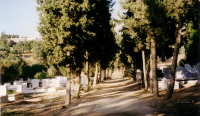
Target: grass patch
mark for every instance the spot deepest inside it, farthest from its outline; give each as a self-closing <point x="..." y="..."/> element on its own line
<point x="10" y="92"/>
<point x="6" y="111"/>
<point x="44" y="100"/>
<point x="59" y="98"/>
<point x="48" y="105"/>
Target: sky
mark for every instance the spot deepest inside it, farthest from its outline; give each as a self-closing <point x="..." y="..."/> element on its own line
<point x="19" y="17"/>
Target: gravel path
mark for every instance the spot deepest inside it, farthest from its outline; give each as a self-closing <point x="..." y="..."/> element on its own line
<point x="117" y="96"/>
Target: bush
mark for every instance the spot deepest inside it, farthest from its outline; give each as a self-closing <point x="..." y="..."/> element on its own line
<point x="182" y="62"/>
<point x="10" y="92"/>
<point x="6" y="111"/>
<point x="40" y="75"/>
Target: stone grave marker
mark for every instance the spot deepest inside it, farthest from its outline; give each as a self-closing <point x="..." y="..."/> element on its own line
<point x="165" y="84"/>
<point x="45" y="83"/>
<point x="55" y="82"/>
<point x="35" y="83"/>
<point x="187" y="67"/>
<point x="3" y="90"/>
<point x="24" y="85"/>
<point x="21" y="79"/>
<point x="179" y="74"/>
<point x="176" y="85"/>
<point x="63" y="80"/>
<point x="16" y="88"/>
<point x="7" y="84"/>
<point x="16" y="83"/>
<point x="166" y="72"/>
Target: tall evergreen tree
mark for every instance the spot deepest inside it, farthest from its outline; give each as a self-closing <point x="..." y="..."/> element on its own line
<point x="62" y="27"/>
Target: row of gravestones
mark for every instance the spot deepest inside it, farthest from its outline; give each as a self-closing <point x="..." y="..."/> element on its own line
<point x="40" y="85"/>
<point x="185" y="72"/>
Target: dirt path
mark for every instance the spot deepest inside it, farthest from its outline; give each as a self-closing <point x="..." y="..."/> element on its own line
<point x="116" y="97"/>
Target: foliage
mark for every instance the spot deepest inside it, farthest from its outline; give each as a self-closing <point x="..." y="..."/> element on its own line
<point x="11" y="68"/>
<point x="4" y="46"/>
<point x="10" y="92"/>
<point x="38" y="50"/>
<point x="52" y="70"/>
<point x="44" y="100"/>
<point x="191" y="45"/>
<point x="6" y="111"/>
<point x="182" y="62"/>
<point x="6" y="36"/>
<point x="40" y="75"/>
<point x="63" y="71"/>
<point x="30" y="71"/>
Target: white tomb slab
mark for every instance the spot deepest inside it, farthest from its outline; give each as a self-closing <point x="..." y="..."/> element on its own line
<point x="165" y="84"/>
<point x="16" y="83"/>
<point x="179" y="74"/>
<point x="7" y="84"/>
<point x="187" y="66"/>
<point x="16" y="88"/>
<point x="35" y="83"/>
<point x="176" y="85"/>
<point x="3" y="90"/>
<point x="63" y="80"/>
<point x="24" y="86"/>
<point x="45" y="83"/>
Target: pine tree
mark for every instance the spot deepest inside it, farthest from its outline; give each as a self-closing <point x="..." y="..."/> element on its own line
<point x="62" y="27"/>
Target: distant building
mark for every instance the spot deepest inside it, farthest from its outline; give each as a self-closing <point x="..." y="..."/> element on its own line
<point x="13" y="41"/>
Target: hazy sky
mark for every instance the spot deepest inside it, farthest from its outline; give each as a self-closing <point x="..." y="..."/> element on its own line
<point x="20" y="17"/>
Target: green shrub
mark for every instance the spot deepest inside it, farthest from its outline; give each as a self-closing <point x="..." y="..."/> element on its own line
<point x="40" y="75"/>
<point x="10" y="92"/>
<point x="182" y="62"/>
<point x="125" y="75"/>
<point x="6" y="111"/>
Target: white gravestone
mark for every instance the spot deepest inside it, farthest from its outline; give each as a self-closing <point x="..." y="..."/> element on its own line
<point x="166" y="72"/>
<point x="35" y="83"/>
<point x="45" y="83"/>
<point x="83" y="80"/>
<point x="179" y="74"/>
<point x="54" y="83"/>
<point x="7" y="84"/>
<point x="63" y="80"/>
<point x="187" y="66"/>
<point x="16" y="83"/>
<point x="165" y="83"/>
<point x="21" y="79"/>
<point x="176" y="85"/>
<point x="50" y="83"/>
<point x="24" y="85"/>
<point x="16" y="88"/>
<point x="3" y="90"/>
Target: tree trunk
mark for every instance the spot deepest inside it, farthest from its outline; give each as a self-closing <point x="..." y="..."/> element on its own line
<point x="135" y="71"/>
<point x="151" y="76"/>
<point x="142" y="77"/>
<point x="144" y="71"/>
<point x="148" y="73"/>
<point x="87" y="71"/>
<point x="96" y="75"/>
<point x="72" y="74"/>
<point x="173" y="67"/>
<point x="77" y="83"/>
<point x="107" y="71"/>
<point x="68" y="86"/>
<point x="104" y="74"/>
<point x="100" y="77"/>
<point x="154" y="68"/>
